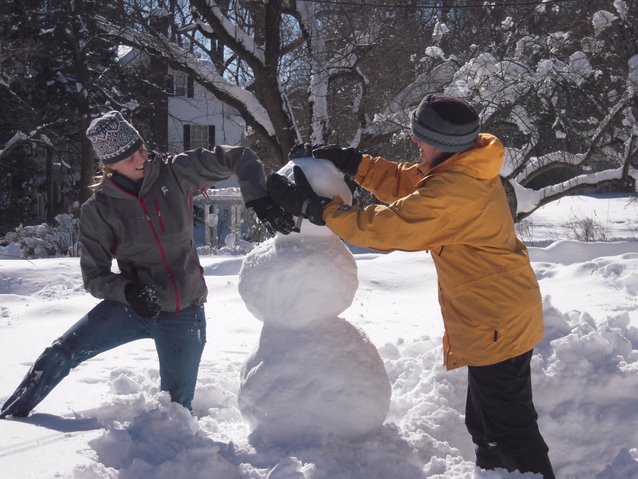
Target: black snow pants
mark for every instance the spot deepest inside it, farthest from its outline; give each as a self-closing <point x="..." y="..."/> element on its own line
<point x="500" y="416"/>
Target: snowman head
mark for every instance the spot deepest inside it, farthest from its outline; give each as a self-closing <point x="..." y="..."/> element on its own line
<point x="326" y="180"/>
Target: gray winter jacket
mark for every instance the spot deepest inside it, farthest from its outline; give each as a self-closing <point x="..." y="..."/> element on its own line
<point x="151" y="235"/>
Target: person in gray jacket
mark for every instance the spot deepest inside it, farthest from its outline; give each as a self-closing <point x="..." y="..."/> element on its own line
<point x="141" y="215"/>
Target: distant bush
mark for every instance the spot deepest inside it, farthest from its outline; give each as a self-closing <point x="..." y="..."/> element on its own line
<point x="525" y="231"/>
<point x="586" y="229"/>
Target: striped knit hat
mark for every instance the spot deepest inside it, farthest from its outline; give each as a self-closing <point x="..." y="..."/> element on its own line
<point x="113" y="138"/>
<point x="445" y="122"/>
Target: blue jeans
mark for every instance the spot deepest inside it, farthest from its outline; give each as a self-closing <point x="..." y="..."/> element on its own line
<point x="179" y="340"/>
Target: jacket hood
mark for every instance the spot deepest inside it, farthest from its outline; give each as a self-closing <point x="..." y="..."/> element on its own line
<point x="484" y="161"/>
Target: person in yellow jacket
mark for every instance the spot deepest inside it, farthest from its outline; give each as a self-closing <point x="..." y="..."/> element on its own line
<point x="453" y="205"/>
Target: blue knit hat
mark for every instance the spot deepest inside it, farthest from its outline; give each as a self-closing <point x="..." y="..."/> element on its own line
<point x="445" y="122"/>
<point x="113" y="138"/>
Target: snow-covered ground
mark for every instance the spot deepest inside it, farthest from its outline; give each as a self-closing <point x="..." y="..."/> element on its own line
<point x="108" y="419"/>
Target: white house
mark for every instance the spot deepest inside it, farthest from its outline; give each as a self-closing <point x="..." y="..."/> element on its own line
<point x="190" y="116"/>
<point x="196" y="118"/>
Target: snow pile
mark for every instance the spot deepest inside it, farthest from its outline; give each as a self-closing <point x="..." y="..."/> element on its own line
<point x="600" y="363"/>
<point x="602" y="20"/>
<point x="41" y="241"/>
<point x="164" y="442"/>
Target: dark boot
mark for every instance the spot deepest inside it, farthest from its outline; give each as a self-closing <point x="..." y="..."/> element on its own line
<point x="486" y="458"/>
<point x="13" y="407"/>
<point x="530" y="459"/>
<point x="534" y="459"/>
<point x="16" y="405"/>
<point x="48" y="370"/>
<point x="489" y="456"/>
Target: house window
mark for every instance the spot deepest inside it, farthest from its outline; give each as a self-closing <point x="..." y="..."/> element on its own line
<point x="198" y="136"/>
<point x="183" y="85"/>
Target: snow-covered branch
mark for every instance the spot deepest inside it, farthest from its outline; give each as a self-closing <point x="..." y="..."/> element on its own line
<point x="231" y="34"/>
<point x="17" y="139"/>
<point x="528" y="200"/>
<point x="396" y="116"/>
<point x="35" y="136"/>
<point x="236" y="96"/>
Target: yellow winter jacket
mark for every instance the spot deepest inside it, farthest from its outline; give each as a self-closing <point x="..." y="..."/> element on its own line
<point x="488" y="293"/>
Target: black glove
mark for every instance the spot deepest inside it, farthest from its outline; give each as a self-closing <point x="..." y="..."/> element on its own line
<point x="345" y="159"/>
<point x="143" y="299"/>
<point x="301" y="150"/>
<point x="272" y="215"/>
<point x="298" y="198"/>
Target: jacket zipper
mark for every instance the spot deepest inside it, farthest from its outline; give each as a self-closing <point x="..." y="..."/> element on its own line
<point x="159" y="244"/>
<point x="162" y="254"/>
<point x="159" y="216"/>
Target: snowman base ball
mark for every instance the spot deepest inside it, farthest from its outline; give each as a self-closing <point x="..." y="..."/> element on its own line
<point x="303" y="386"/>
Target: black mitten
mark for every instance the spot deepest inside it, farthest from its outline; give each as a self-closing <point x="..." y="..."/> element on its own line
<point x="298" y="198"/>
<point x="274" y="218"/>
<point x="345" y="159"/>
<point x="143" y="299"/>
<point x="300" y="150"/>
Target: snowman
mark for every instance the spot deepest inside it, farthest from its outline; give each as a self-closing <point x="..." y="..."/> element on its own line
<point x="313" y="375"/>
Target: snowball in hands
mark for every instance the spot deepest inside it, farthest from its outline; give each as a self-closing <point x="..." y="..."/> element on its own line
<point x="326" y="180"/>
<point x="313" y="374"/>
